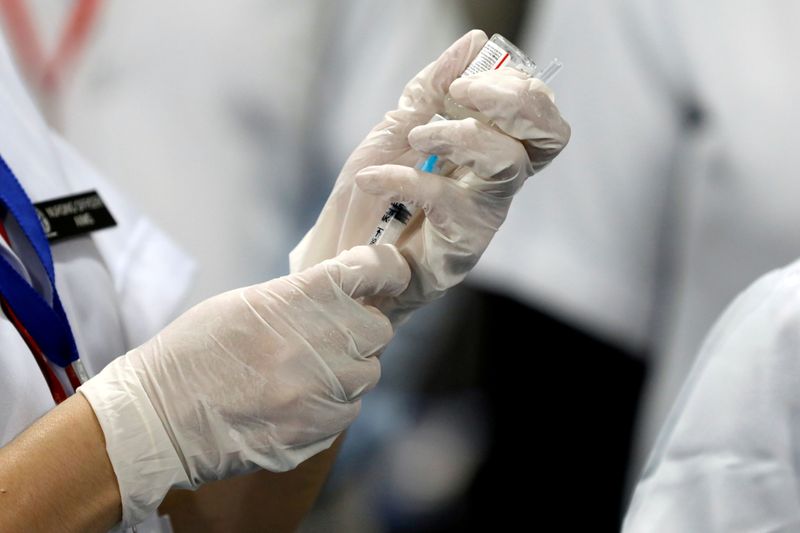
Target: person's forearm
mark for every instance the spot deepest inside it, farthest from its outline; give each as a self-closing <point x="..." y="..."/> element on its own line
<point x="262" y="501"/>
<point x="56" y="476"/>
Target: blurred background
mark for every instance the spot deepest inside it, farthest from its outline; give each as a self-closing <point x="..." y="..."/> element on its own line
<point x="535" y="391"/>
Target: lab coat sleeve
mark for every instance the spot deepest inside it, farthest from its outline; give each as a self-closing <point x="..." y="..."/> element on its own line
<point x="151" y="274"/>
<point x="727" y="458"/>
<point x="582" y="239"/>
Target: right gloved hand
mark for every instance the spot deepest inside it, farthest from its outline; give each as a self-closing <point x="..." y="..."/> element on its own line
<point x="264" y="376"/>
<point x="463" y="209"/>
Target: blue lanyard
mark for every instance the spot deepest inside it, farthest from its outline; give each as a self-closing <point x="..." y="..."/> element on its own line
<point x="47" y="325"/>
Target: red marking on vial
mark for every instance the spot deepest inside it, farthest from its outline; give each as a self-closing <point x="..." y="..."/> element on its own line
<point x="500" y="64"/>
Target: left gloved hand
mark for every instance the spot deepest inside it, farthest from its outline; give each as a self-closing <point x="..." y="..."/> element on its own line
<point x="462" y="210"/>
<point x="262" y="376"/>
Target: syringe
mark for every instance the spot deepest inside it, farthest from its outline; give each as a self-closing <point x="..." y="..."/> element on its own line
<point x="497" y="52"/>
<point x="394" y="221"/>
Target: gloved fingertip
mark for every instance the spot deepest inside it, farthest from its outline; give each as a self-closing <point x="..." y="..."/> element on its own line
<point x="372" y="170"/>
<point x="367" y="183"/>
<point x="416" y="134"/>
<point x="509" y="71"/>
<point x="472" y="41"/>
<point x="456" y="58"/>
<point x="458" y="89"/>
<point x="428" y="138"/>
<point x="365" y="271"/>
<point x="401" y="272"/>
<point x="479" y="35"/>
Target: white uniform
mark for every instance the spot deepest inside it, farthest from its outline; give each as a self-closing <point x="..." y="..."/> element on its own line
<point x="727" y="458"/>
<point x="118" y="286"/>
<point x="679" y="186"/>
<point x="196" y="110"/>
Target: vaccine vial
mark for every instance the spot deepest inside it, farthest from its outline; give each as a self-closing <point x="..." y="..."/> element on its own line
<point x="496" y="53"/>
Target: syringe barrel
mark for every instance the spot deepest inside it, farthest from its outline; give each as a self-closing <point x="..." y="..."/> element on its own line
<point x="392" y="224"/>
<point x="395" y="219"/>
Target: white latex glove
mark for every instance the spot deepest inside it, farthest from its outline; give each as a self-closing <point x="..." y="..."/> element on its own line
<point x="263" y="376"/>
<point x="727" y="457"/>
<point x="460" y="217"/>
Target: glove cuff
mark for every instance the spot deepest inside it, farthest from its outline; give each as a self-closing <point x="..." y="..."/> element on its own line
<point x="144" y="460"/>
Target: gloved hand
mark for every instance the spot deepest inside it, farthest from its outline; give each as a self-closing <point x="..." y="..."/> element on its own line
<point x="460" y="216"/>
<point x="263" y="376"/>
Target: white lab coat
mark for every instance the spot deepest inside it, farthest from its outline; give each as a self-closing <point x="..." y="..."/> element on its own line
<point x="118" y="286"/>
<point x="680" y="183"/>
<point x="727" y="458"/>
<point x="197" y="110"/>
